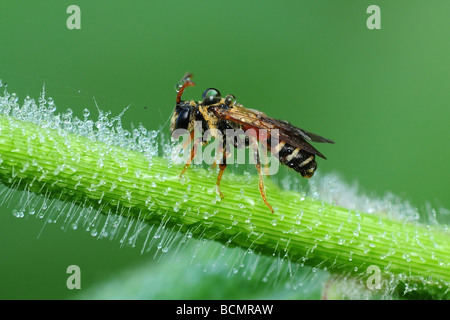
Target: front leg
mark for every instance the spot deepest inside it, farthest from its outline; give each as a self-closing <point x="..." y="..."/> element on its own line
<point x="193" y="153"/>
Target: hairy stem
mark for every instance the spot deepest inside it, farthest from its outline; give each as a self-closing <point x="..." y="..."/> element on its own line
<point x="302" y="230"/>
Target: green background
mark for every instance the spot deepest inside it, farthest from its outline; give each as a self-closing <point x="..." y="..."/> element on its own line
<point x="382" y="95"/>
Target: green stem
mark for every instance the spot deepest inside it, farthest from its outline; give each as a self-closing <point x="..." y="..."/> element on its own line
<point x="303" y="230"/>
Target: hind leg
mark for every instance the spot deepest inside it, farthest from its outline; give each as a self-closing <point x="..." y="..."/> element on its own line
<point x="222" y="167"/>
<point x="261" y="180"/>
<point x="261" y="186"/>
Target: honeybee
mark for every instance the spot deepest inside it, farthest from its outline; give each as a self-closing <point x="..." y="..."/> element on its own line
<point x="215" y="112"/>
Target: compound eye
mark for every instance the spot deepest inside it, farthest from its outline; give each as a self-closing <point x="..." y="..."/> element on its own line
<point x="182" y="121"/>
<point x="211" y="96"/>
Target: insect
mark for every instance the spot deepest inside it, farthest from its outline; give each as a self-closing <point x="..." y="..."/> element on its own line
<point x="215" y="112"/>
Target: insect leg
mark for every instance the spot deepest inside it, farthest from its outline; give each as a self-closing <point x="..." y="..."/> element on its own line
<point x="265" y="157"/>
<point x="222" y="167"/>
<point x="214" y="164"/>
<point x="261" y="180"/>
<point x="189" y="141"/>
<point x="193" y="154"/>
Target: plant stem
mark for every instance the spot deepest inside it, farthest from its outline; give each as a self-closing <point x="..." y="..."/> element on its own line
<point x="302" y="230"/>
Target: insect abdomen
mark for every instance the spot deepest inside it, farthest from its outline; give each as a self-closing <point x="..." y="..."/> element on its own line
<point x="298" y="159"/>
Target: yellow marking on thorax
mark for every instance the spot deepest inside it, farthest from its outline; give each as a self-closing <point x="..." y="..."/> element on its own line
<point x="211" y="120"/>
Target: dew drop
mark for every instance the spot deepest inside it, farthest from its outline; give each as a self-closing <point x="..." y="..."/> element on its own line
<point x="18" y="213"/>
<point x="179" y="85"/>
<point x="406" y="257"/>
<point x="230" y="100"/>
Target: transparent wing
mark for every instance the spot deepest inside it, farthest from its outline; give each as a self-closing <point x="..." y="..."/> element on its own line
<point x="249" y="118"/>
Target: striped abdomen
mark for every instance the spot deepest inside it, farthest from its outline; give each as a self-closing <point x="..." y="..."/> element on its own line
<point x="296" y="158"/>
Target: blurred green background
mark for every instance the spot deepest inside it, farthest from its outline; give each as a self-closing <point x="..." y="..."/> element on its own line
<point x="382" y="95"/>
